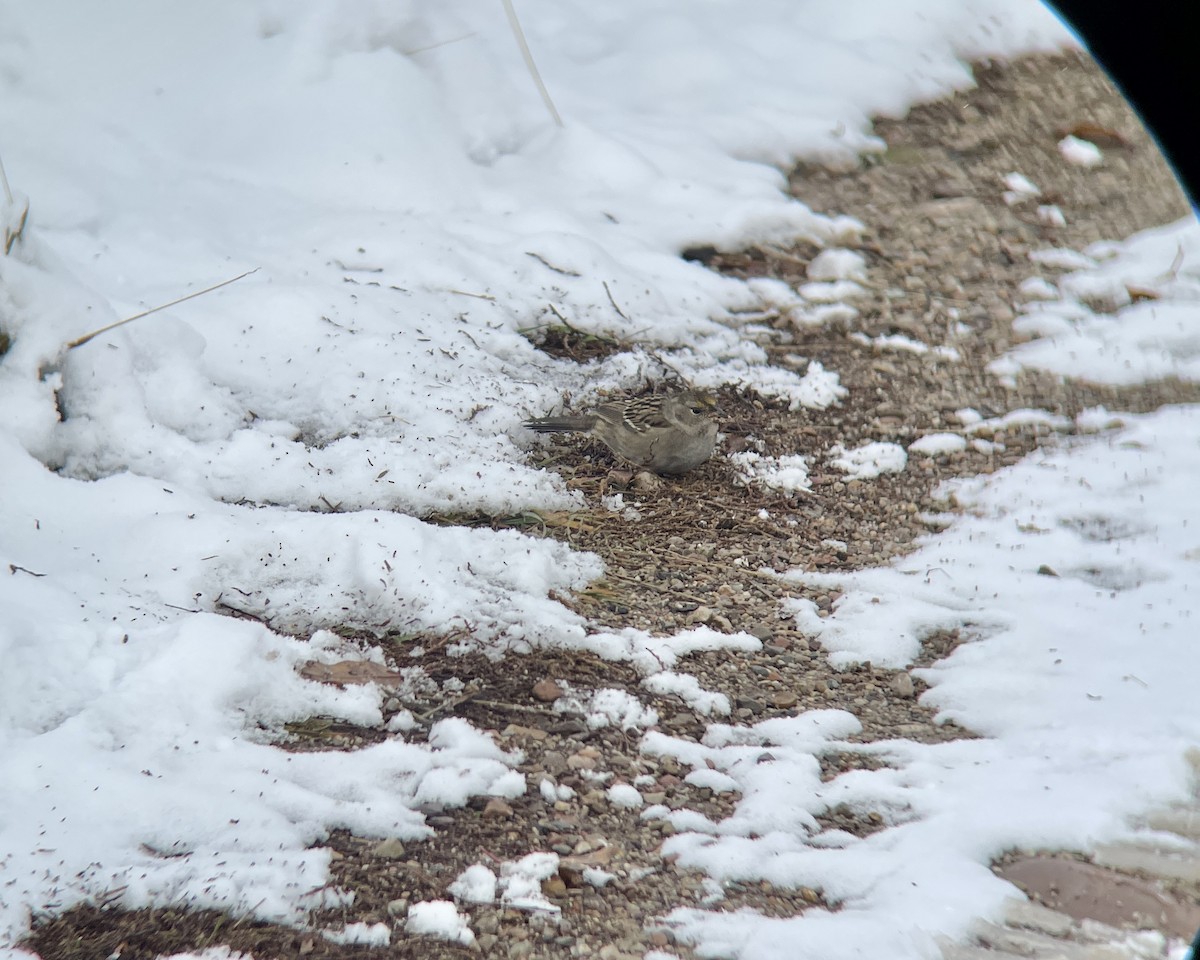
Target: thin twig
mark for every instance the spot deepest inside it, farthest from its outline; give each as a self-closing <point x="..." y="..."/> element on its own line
<point x="613" y="301"/>
<point x="548" y="265"/>
<point x="515" y="707"/>
<point x="533" y="70"/>
<point x="468" y="293"/>
<point x="440" y="43"/>
<point x="4" y="180"/>
<point x="12" y="236"/>
<point x="79" y="342"/>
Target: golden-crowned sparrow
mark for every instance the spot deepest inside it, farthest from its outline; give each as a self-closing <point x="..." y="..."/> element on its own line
<point x="666" y="434"/>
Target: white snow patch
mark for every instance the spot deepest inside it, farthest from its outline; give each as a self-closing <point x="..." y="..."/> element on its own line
<point x="476" y="884"/>
<point x="521" y="882"/>
<point x="838" y="264"/>
<point x="1037" y="288"/>
<point x="440" y="919"/>
<point x="1130" y="318"/>
<point x="788" y="473"/>
<point x="361" y="934"/>
<point x="1061" y="258"/>
<point x="937" y="445"/>
<point x="1082" y="153"/>
<point x="683" y="685"/>
<point x="1018" y="188"/>
<point x="836" y="291"/>
<point x="608" y="707"/>
<point x="624" y="795"/>
<point x="1050" y="215"/>
<point x="869" y="460"/>
<point x="900" y="342"/>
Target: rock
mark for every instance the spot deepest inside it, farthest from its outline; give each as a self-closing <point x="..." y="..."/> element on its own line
<point x="902" y="685"/>
<point x="646" y="482"/>
<point x="547" y="690"/>
<point x="554" y="886"/>
<point x="497" y="808"/>
<point x="389" y="849"/>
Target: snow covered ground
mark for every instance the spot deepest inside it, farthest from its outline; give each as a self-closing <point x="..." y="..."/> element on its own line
<point x="271" y="447"/>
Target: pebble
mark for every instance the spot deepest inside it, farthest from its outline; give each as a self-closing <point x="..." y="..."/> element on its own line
<point x="902" y="685"/>
<point x="389" y="849"/>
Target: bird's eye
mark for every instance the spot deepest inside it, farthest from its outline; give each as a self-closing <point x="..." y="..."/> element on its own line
<point x="697" y="409"/>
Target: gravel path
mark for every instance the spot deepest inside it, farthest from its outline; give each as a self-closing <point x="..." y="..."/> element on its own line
<point x="945" y="255"/>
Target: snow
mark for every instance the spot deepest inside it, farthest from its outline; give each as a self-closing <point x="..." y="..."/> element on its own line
<point x="1051" y="215"/>
<point x="1124" y="319"/>
<point x="281" y="447"/>
<point x="702" y="702"/>
<point x="1074" y="678"/>
<point x="362" y="934"/>
<point x="521" y="882"/>
<point x="869" y="460"/>
<point x="788" y="473"/>
<point x="1082" y="153"/>
<point x="899" y="342"/>
<point x="937" y="444"/>
<point x="437" y="918"/>
<point x="624" y="795"/>
<point x="838" y="264"/>
<point x="476" y="884"/>
<point x="1019" y="188"/>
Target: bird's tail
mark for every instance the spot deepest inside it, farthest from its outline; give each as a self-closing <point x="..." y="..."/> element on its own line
<point x="561" y="424"/>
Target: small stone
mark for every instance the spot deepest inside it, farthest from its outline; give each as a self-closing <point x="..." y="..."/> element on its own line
<point x="397" y="908"/>
<point x="902" y="685"/>
<point x="497" y="808"/>
<point x="646" y="482"/>
<point x="784" y="701"/>
<point x="554" y="762"/>
<point x="700" y="615"/>
<point x="554" y="886"/>
<point x="761" y="631"/>
<point x="578" y="761"/>
<point x="487" y="923"/>
<point x="547" y="690"/>
<point x="389" y="849"/>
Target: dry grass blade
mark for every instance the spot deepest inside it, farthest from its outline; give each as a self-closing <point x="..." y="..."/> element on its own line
<point x="8" y="194"/>
<point x="80" y="341"/>
<point x="12" y="233"/>
<point x="513" y="22"/>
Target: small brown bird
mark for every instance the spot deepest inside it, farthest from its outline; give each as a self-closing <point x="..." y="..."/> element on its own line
<point x="666" y="434"/>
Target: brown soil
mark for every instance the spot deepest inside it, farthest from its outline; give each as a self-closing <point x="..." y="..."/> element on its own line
<point x="941" y="245"/>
